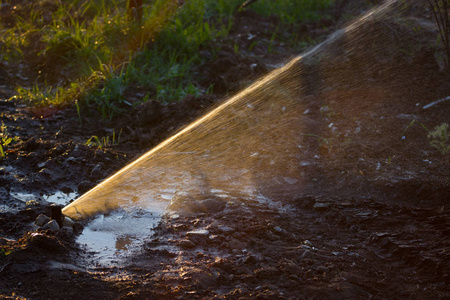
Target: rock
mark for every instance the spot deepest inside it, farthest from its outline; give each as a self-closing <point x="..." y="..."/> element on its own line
<point x="41" y="220"/>
<point x="321" y="206"/>
<point x="187" y="244"/>
<point x="52" y="225"/>
<point x="67" y="222"/>
<point x="225" y="229"/>
<point x="198" y="236"/>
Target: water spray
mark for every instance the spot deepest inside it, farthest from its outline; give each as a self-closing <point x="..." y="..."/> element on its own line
<point x="251" y="144"/>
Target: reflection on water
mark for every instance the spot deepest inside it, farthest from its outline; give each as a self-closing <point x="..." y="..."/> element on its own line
<point x="57" y="197"/>
<point x="112" y="237"/>
<point x="60" y="197"/>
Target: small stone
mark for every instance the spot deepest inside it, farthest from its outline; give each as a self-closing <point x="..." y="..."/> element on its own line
<point x="225" y="229"/>
<point x="321" y="206"/>
<point x="279" y="229"/>
<point x="41" y="165"/>
<point x="198" y="232"/>
<point x="41" y="220"/>
<point x="52" y="225"/>
<point x="186" y="244"/>
<point x="198" y="236"/>
<point x="67" y="222"/>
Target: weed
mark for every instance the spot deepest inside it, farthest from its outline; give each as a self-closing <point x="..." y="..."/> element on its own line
<point x="105" y="141"/>
<point x="5" y="140"/>
<point x="411" y="124"/>
<point x="78" y="112"/>
<point x="439" y="137"/>
<point x="252" y="45"/>
<point x="4" y="252"/>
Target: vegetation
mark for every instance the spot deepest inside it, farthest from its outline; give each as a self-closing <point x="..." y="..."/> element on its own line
<point x="5" y="140"/>
<point x="439" y="138"/>
<point x="440" y="9"/>
<point x="105" y="141"/>
<point x="92" y="52"/>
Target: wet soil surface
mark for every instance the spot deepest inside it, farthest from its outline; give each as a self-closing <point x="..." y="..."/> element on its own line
<point x="371" y="219"/>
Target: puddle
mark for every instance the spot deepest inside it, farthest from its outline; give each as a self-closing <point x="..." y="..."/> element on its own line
<point x="57" y="197"/>
<point x="60" y="198"/>
<point x="109" y="239"/>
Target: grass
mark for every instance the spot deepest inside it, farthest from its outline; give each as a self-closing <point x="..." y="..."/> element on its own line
<point x="439" y="138"/>
<point x="5" y="140"/>
<point x="92" y="52"/>
<point x="106" y="141"/>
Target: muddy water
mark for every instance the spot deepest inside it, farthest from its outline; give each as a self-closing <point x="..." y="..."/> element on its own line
<point x="108" y="239"/>
<point x="57" y="197"/>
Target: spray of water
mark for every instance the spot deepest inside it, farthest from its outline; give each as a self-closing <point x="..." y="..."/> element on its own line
<point x="251" y="145"/>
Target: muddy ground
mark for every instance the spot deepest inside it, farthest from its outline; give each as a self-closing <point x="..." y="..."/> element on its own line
<point x="371" y="219"/>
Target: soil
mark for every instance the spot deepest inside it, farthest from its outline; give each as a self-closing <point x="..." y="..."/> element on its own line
<point x="372" y="219"/>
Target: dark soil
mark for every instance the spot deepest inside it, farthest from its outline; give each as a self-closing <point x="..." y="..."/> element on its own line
<point x="371" y="221"/>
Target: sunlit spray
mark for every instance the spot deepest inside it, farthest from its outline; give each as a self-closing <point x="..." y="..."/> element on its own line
<point x="250" y="145"/>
